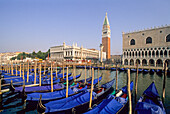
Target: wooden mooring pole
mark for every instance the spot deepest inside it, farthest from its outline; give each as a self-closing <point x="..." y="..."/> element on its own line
<point x="45" y="67"/>
<point x="164" y="82"/>
<point x="98" y="77"/>
<point x="40" y="75"/>
<point x="16" y="69"/>
<point x="27" y="71"/>
<point x="12" y="70"/>
<point x="75" y="73"/>
<point x="85" y="74"/>
<point x="90" y="103"/>
<point x="129" y="93"/>
<point x="20" y="69"/>
<point x="23" y="72"/>
<point x="56" y="71"/>
<point x="116" y="78"/>
<point x="0" y="84"/>
<point x="63" y="70"/>
<point x="35" y="72"/>
<point x="51" y="76"/>
<point x="136" y="83"/>
<point x="67" y="83"/>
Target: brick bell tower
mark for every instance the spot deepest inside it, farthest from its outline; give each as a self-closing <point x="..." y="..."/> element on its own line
<point x="106" y="37"/>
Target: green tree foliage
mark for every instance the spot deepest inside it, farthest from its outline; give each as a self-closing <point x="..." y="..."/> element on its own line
<point x="39" y="54"/>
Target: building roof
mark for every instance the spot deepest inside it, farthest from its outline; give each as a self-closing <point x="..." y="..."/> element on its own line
<point x="106" y="22"/>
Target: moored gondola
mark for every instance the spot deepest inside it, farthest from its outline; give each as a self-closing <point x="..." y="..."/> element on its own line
<point x="114" y="103"/>
<point x="77" y="103"/>
<point x="149" y="102"/>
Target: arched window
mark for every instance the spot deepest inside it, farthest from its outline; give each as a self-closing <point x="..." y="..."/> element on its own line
<point x="126" y="62"/>
<point x="139" y="53"/>
<point x="144" y="62"/>
<point x="132" y="42"/>
<point x="168" y="38"/>
<point x="142" y="53"/>
<point x="151" y="62"/>
<point x="133" y="54"/>
<point x="157" y="53"/>
<point x="149" y="53"/>
<point x="137" y="61"/>
<point x="124" y="54"/>
<point x="165" y="53"/>
<point x="148" y="40"/>
<point x="131" y="62"/>
<point x="153" y="53"/>
<point x="146" y="53"/>
<point x="161" y="53"/>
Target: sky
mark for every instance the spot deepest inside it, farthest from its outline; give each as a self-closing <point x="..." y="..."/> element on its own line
<point x="33" y="25"/>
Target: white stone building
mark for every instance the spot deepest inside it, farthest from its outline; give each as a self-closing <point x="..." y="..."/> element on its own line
<point x="5" y="57"/>
<point x="65" y="52"/>
<point x="149" y="47"/>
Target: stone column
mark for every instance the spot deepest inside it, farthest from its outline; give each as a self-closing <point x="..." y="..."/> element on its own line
<point x="155" y="62"/>
<point x="101" y="53"/>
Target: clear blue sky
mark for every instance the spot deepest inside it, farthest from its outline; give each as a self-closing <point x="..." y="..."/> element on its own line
<point x="27" y="25"/>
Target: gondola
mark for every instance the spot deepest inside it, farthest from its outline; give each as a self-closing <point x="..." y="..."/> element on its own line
<point x="102" y="68"/>
<point x="113" y="69"/>
<point x="145" y="71"/>
<point x="60" y="94"/>
<point x="152" y="71"/>
<point x="140" y="70"/>
<point x="133" y="70"/>
<point x="150" y="102"/>
<point x="95" y="81"/>
<point x="45" y="88"/>
<point x="77" y="103"/>
<point x="46" y="97"/>
<point x="113" y="104"/>
<point x="121" y="69"/>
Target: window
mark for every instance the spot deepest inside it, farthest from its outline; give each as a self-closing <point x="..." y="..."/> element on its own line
<point x="148" y="40"/>
<point x="104" y="32"/>
<point x="132" y="42"/>
<point x="160" y="31"/>
<point x="168" y="38"/>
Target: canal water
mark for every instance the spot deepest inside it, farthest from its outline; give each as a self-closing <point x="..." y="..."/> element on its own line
<point x="144" y="80"/>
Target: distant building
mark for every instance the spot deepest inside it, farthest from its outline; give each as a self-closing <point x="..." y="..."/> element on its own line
<point x="106" y="37"/>
<point x="149" y="47"/>
<point x="116" y="59"/>
<point x="5" y="57"/>
<point x="65" y="52"/>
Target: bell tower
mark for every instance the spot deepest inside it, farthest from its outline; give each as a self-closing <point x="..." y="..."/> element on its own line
<point x="106" y="37"/>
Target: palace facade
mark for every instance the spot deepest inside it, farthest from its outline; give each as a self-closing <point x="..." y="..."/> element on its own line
<point x="149" y="47"/>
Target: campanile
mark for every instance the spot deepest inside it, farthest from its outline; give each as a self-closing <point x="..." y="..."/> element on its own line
<point x="106" y="37"/>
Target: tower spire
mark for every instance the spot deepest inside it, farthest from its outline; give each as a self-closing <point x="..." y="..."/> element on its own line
<point x="106" y="22"/>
